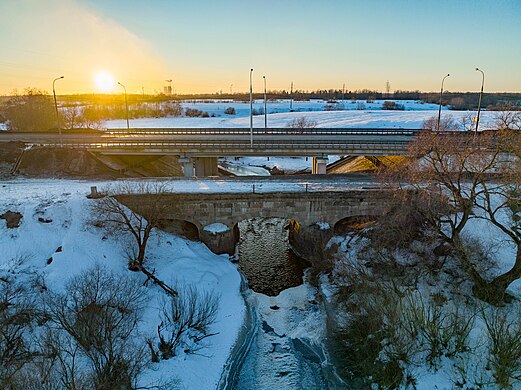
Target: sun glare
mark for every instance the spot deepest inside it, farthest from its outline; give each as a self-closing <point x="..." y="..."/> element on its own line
<point x="104" y="81"/>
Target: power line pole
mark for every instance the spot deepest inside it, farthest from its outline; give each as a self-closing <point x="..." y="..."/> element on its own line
<point x="251" y="108"/>
<point x="265" y="105"/>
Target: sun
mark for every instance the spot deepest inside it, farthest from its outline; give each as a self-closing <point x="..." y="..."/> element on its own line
<point x="104" y="81"/>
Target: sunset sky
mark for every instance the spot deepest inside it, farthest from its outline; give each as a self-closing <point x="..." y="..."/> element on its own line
<point x="207" y="45"/>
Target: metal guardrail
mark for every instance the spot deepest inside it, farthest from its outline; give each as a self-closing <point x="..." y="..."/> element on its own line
<point x="268" y="145"/>
<point x="261" y="131"/>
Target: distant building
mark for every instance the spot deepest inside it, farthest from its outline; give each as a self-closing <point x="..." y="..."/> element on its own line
<point x="167" y="89"/>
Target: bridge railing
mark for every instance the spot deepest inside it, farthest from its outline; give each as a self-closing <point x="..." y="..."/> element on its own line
<point x="261" y="131"/>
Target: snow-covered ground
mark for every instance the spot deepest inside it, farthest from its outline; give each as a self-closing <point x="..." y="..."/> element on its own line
<point x="279" y="115"/>
<point x="174" y="260"/>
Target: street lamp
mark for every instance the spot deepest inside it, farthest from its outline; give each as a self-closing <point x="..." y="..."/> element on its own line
<point x="439" y="110"/>
<point x="126" y="104"/>
<point x="265" y="105"/>
<point x="480" y="96"/>
<point x="251" y="108"/>
<point x="56" y="108"/>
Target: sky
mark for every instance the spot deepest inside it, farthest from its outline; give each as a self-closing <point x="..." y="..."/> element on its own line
<point x="210" y="45"/>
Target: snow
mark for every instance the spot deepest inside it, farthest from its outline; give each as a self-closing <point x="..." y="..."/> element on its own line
<point x="323" y="225"/>
<point x="174" y="259"/>
<point x="279" y="115"/>
<point x="3" y="126"/>
<point x="216" y="228"/>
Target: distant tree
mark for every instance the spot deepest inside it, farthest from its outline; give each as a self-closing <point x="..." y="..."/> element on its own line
<point x="458" y="103"/>
<point x="447" y="123"/>
<point x="302" y="123"/>
<point x="230" y="111"/>
<point x="32" y="111"/>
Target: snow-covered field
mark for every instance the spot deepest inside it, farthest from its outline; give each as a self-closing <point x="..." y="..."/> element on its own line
<point x="174" y="260"/>
<point x="279" y="115"/>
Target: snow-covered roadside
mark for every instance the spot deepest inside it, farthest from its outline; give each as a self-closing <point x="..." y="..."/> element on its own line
<point x="63" y="207"/>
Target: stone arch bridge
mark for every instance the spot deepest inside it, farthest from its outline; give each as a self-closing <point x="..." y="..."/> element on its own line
<point x="312" y="214"/>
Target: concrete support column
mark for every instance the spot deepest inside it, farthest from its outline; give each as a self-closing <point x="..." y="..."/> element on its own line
<point x="319" y="165"/>
<point x="206" y="166"/>
<point x="188" y="166"/>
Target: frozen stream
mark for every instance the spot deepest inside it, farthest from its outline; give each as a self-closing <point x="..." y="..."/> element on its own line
<point x="281" y="344"/>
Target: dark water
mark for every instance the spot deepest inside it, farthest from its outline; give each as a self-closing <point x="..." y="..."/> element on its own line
<point x="265" y="256"/>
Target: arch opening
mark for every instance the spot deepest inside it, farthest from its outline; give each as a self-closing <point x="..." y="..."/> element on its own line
<point x="181" y="228"/>
<point x="353" y="223"/>
<point x="265" y="255"/>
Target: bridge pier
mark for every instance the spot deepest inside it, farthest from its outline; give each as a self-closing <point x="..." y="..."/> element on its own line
<point x="220" y="241"/>
<point x="319" y="165"/>
<point x="206" y="166"/>
<point x="188" y="166"/>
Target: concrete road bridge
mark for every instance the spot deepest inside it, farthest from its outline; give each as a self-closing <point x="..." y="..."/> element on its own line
<point x="199" y="148"/>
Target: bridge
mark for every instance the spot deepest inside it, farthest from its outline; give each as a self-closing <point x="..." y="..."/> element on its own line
<point x="314" y="215"/>
<point x="198" y="149"/>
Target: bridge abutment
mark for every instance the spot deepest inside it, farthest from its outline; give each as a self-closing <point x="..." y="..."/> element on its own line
<point x="206" y="166"/>
<point x="220" y="241"/>
<point x="309" y="242"/>
<point x="319" y="165"/>
<point x="188" y="166"/>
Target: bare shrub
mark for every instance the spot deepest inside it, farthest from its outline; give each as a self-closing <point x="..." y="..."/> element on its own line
<point x="442" y="330"/>
<point x="92" y="330"/>
<point x="17" y="319"/>
<point x="504" y="334"/>
<point x="230" y="111"/>
<point x="302" y="123"/>
<point x="185" y="321"/>
<point x="370" y="345"/>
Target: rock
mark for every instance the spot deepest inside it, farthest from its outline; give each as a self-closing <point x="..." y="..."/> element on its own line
<point x="12" y="218"/>
<point x="44" y="220"/>
<point x="49" y="260"/>
<point x="59" y="249"/>
<point x="274" y="307"/>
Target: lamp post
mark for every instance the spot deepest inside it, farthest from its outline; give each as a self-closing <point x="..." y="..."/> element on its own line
<point x="265" y="105"/>
<point x="480" y="96"/>
<point x="56" y="108"/>
<point x="126" y="104"/>
<point x="231" y="89"/>
<point x="439" y="110"/>
<point x="251" y="108"/>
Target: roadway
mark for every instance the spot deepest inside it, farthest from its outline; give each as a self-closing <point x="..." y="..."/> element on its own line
<point x="228" y="141"/>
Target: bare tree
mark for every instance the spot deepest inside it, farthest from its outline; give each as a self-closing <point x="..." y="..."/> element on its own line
<point x="138" y="220"/>
<point x="455" y="175"/>
<point x="133" y="210"/>
<point x="507" y="118"/>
